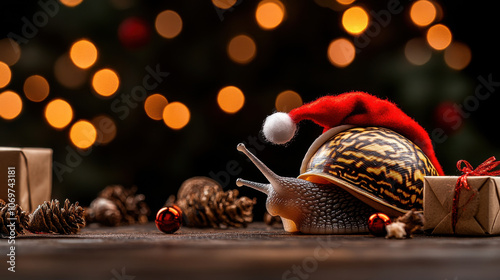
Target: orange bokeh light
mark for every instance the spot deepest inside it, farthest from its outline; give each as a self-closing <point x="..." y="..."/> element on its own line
<point x="288" y="100"/>
<point x="68" y="74"/>
<point x="417" y="51"/>
<point x="355" y="20"/>
<point x="423" y="12"/>
<point x="83" y="53"/>
<point x="36" y="88"/>
<point x="341" y="52"/>
<point x="345" y="2"/>
<point x="230" y="99"/>
<point x="168" y="24"/>
<point x="439" y="37"/>
<point x="224" y="4"/>
<point x="154" y="106"/>
<point x="11" y="105"/>
<point x="10" y="52"/>
<point x="457" y="56"/>
<point x="5" y="74"/>
<point x="176" y="115"/>
<point x="242" y="49"/>
<point x="83" y="134"/>
<point x="270" y="14"/>
<point x="71" y="3"/>
<point x="58" y="113"/>
<point x="105" y="82"/>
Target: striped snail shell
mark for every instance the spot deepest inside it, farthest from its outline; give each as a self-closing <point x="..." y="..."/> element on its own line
<point x="347" y="174"/>
<point x="377" y="165"/>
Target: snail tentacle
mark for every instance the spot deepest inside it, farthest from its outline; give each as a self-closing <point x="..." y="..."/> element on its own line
<point x="265" y="188"/>
<point x="268" y="173"/>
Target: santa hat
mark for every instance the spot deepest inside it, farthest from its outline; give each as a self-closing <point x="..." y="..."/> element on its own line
<point x="355" y="108"/>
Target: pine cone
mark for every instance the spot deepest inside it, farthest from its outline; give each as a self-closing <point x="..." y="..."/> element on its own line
<point x="17" y="225"/>
<point x="208" y="206"/>
<point x="116" y="205"/>
<point x="49" y="218"/>
<point x="103" y="211"/>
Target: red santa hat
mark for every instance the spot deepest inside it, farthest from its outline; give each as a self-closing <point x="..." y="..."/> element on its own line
<point x="355" y="108"/>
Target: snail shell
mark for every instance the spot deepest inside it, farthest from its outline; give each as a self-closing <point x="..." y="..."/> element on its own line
<point x="377" y="165"/>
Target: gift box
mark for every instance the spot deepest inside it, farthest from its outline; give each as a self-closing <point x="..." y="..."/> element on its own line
<point x="25" y="176"/>
<point x="477" y="207"/>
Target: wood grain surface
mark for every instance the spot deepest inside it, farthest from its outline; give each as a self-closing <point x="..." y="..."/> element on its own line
<point x="256" y="252"/>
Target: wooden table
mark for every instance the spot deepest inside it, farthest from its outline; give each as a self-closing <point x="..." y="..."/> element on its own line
<point x="256" y="252"/>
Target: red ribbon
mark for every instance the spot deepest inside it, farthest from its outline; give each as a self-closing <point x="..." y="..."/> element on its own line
<point x="484" y="169"/>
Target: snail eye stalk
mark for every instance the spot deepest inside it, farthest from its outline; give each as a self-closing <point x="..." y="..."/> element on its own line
<point x="265" y="188"/>
<point x="268" y="173"/>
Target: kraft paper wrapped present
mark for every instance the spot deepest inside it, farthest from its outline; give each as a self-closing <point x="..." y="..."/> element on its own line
<point x="477" y="210"/>
<point x="25" y="176"/>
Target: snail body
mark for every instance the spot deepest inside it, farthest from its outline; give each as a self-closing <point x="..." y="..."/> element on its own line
<point x="347" y="174"/>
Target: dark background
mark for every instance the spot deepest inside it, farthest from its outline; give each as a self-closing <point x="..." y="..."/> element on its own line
<point x="157" y="159"/>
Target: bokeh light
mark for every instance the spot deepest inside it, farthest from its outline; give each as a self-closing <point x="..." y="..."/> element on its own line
<point x="83" y="134"/>
<point x="58" y="113"/>
<point x="36" y="88"/>
<point x="417" y="51"/>
<point x="288" y="100"/>
<point x="67" y="74"/>
<point x="241" y="49"/>
<point x="345" y="2"/>
<point x="154" y="106"/>
<point x="423" y="13"/>
<point x="457" y="56"/>
<point x="176" y="115"/>
<point x="105" y="128"/>
<point x="224" y="4"/>
<point x="270" y="14"/>
<point x="230" y="99"/>
<point x="11" y="105"/>
<point x="168" y="24"/>
<point x="105" y="82"/>
<point x="439" y="37"/>
<point x="10" y="52"/>
<point x="5" y="74"/>
<point x="341" y="52"/>
<point x="71" y="3"/>
<point x="83" y="53"/>
<point x="355" y="20"/>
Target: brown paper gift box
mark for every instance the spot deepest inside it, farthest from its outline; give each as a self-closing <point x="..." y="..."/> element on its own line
<point x="33" y="176"/>
<point x="479" y="215"/>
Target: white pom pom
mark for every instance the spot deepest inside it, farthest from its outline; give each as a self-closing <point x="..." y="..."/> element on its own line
<point x="279" y="128"/>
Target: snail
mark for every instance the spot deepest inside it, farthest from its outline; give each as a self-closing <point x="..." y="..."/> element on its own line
<point x="348" y="173"/>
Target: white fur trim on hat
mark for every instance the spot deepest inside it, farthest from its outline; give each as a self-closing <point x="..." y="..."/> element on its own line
<point x="279" y="128"/>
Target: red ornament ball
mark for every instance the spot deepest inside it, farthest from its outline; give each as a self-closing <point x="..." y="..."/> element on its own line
<point x="169" y="219"/>
<point x="377" y="223"/>
<point x="134" y="33"/>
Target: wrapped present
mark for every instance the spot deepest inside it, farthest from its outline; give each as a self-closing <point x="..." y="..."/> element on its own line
<point x="25" y="176"/>
<point x="464" y="205"/>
